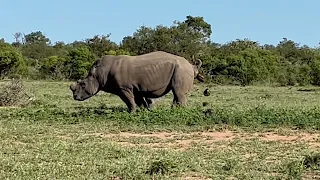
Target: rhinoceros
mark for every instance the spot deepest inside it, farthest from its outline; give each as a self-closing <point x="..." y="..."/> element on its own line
<point x="139" y="79"/>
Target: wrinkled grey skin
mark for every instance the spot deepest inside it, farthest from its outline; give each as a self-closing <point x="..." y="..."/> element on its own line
<point x="139" y="80"/>
<point x="148" y="102"/>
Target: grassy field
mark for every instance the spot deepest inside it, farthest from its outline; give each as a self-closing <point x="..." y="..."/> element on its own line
<point x="241" y="133"/>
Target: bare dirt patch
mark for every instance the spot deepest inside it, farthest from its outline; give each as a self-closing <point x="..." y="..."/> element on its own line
<point x="161" y="135"/>
<point x="310" y="175"/>
<point x="300" y="137"/>
<point x="193" y="176"/>
<point x="183" y="141"/>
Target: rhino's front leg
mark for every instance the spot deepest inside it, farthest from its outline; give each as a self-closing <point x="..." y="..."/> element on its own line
<point x="128" y="98"/>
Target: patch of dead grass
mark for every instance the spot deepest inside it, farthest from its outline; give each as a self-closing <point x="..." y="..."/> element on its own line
<point x="13" y="94"/>
<point x="183" y="141"/>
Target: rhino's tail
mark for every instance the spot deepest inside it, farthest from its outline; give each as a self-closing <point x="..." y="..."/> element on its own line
<point x="200" y="77"/>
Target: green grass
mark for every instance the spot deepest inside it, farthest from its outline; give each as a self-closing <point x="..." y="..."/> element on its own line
<point x="56" y="137"/>
<point x="238" y="107"/>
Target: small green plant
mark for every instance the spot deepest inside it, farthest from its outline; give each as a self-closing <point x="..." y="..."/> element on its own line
<point x="294" y="169"/>
<point x="205" y="104"/>
<point x="312" y="161"/>
<point x="160" y="167"/>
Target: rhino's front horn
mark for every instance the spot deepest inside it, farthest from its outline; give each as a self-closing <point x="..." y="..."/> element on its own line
<point x="72" y="87"/>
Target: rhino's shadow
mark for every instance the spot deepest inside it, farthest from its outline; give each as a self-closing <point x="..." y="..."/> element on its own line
<point x="101" y="110"/>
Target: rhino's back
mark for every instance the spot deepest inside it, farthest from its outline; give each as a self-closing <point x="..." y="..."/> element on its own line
<point x="153" y="71"/>
<point x="148" y="72"/>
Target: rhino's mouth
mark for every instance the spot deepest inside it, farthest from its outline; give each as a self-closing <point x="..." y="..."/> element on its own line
<point x="80" y="98"/>
<point x="77" y="98"/>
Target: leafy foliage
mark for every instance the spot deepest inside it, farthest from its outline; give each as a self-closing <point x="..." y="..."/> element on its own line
<point x="239" y="62"/>
<point x="80" y="59"/>
<point x="54" y="67"/>
<point x="11" y="60"/>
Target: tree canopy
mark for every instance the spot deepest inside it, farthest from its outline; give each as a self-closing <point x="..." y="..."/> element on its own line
<point x="239" y="62"/>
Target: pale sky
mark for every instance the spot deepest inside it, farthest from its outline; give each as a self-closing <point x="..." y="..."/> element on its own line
<point x="67" y="20"/>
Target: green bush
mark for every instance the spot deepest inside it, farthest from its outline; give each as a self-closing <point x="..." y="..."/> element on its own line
<point x="11" y="61"/>
<point x="53" y="67"/>
<point x="79" y="61"/>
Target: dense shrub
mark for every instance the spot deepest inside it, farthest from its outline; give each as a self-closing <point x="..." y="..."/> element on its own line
<point x="54" y="67"/>
<point x="79" y="61"/>
<point x="11" y="60"/>
<point x="14" y="94"/>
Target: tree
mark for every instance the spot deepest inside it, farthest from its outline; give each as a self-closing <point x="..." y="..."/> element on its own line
<point x="54" y="67"/>
<point x="185" y="38"/>
<point x="37" y="46"/>
<point x="199" y="26"/>
<point x="79" y="61"/>
<point x="36" y="38"/>
<point x="141" y="42"/>
<point x="19" y="39"/>
<point x="315" y="70"/>
<point x="241" y="61"/>
<point x="11" y="60"/>
<point x="100" y="44"/>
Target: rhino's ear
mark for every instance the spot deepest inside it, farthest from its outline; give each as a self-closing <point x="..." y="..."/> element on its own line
<point x="93" y="71"/>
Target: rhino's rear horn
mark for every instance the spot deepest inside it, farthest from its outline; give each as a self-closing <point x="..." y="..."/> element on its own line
<point x="72" y="87"/>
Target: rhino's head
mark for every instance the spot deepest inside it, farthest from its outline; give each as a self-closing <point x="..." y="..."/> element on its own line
<point x="95" y="80"/>
<point x="84" y="89"/>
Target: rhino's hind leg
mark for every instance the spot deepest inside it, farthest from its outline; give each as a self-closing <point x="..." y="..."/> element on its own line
<point x="181" y="85"/>
<point x="179" y="98"/>
<point x="149" y="102"/>
<point x="139" y="100"/>
<point x="128" y="98"/>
